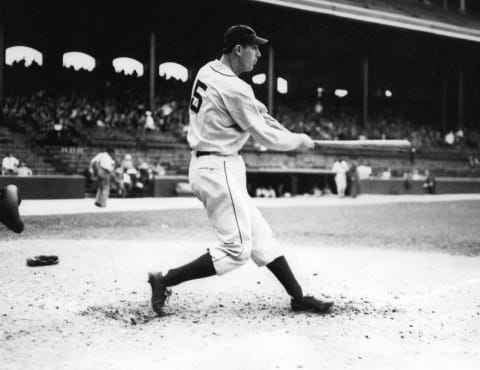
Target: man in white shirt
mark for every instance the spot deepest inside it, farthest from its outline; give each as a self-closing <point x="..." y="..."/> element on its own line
<point x="224" y="113"/>
<point x="364" y="171"/>
<point x="340" y="168"/>
<point x="102" y="166"/>
<point x="149" y="121"/>
<point x="9" y="165"/>
<point x="23" y="170"/>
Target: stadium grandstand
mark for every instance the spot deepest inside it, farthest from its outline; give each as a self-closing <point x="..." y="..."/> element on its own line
<point x="77" y="77"/>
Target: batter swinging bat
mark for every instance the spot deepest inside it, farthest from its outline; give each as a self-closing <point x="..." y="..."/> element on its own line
<point x="392" y="145"/>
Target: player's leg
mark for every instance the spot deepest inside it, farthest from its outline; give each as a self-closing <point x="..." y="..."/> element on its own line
<point x="103" y="188"/>
<point x="98" y="197"/>
<point x="266" y="251"/>
<point x="9" y="201"/>
<point x="215" y="182"/>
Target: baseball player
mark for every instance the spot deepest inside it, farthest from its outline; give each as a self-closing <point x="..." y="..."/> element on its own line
<point x="340" y="169"/>
<point x="102" y="166"/>
<point x="224" y="113"/>
<point x="9" y="202"/>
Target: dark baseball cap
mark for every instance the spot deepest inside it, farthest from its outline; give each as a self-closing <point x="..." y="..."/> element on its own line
<point x="241" y="35"/>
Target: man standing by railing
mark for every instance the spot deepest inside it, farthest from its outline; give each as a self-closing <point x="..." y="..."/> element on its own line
<point x="101" y="167"/>
<point x="9" y="165"/>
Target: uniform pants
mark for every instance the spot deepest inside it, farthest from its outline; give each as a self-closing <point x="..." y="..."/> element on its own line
<point x="220" y="184"/>
<point x="341" y="182"/>
<point x="103" y="187"/>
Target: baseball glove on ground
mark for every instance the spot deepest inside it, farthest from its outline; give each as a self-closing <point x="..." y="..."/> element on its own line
<point x="42" y="261"/>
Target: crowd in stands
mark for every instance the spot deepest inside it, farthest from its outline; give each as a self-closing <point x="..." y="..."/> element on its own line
<point x="71" y="118"/>
<point x="342" y="124"/>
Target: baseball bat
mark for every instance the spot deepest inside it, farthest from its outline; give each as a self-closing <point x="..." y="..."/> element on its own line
<point x="364" y="144"/>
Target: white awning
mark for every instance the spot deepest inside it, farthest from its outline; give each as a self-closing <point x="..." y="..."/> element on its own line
<point x="411" y="19"/>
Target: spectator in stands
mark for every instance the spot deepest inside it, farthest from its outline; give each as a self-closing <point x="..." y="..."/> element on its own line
<point x="158" y="169"/>
<point x="265" y="192"/>
<point x="430" y="184"/>
<point x="118" y="184"/>
<point x="316" y="191"/>
<point x="407" y="179"/>
<point x="340" y="168"/>
<point x="127" y="162"/>
<point x="271" y="192"/>
<point x="145" y="177"/>
<point x="260" y="192"/>
<point x="9" y="165"/>
<point x="23" y="170"/>
<point x="353" y="181"/>
<point x="450" y="138"/>
<point x="149" y="122"/>
<point x="101" y="166"/>
<point x="416" y="175"/>
<point x="127" y="182"/>
<point x="386" y="174"/>
<point x="473" y="161"/>
<point x="364" y="171"/>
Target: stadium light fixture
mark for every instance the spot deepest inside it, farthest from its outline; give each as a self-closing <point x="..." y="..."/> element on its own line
<point x="128" y="66"/>
<point x="282" y="85"/>
<point x="78" y="60"/>
<point x="15" y="54"/>
<point x="173" y="70"/>
<point x="259" y="79"/>
<point x="341" y="93"/>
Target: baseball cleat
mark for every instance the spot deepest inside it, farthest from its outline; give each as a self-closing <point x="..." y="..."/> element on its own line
<point x="160" y="292"/>
<point x="309" y="303"/>
<point x="9" y="202"/>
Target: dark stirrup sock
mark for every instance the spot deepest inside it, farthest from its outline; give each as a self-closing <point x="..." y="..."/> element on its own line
<point x="200" y="268"/>
<point x="280" y="268"/>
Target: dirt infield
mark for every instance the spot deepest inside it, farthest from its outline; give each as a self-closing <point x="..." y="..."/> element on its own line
<point x="408" y="306"/>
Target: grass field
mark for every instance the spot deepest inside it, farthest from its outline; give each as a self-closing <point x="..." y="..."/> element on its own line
<point x="405" y="278"/>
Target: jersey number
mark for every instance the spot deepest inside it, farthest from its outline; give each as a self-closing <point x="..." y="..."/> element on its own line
<point x="196" y="101"/>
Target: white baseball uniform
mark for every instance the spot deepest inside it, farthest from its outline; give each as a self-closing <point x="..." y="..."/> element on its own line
<point x="340" y="169"/>
<point x="223" y="114"/>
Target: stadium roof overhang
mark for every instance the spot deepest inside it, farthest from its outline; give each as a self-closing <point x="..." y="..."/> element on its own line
<point x="401" y="16"/>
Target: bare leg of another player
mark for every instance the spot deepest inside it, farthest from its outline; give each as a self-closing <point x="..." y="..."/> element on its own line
<point x="9" y="202"/>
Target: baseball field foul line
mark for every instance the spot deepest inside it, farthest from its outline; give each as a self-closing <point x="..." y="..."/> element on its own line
<point x="441" y="291"/>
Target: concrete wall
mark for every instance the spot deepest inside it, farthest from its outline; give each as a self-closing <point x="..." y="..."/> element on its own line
<point x="47" y="187"/>
<point x="399" y="186"/>
<point x="65" y="187"/>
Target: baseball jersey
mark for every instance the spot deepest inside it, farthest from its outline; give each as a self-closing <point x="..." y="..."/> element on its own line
<point x="224" y="113"/>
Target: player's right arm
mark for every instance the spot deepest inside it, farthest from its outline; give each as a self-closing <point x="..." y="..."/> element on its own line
<point x="247" y="112"/>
